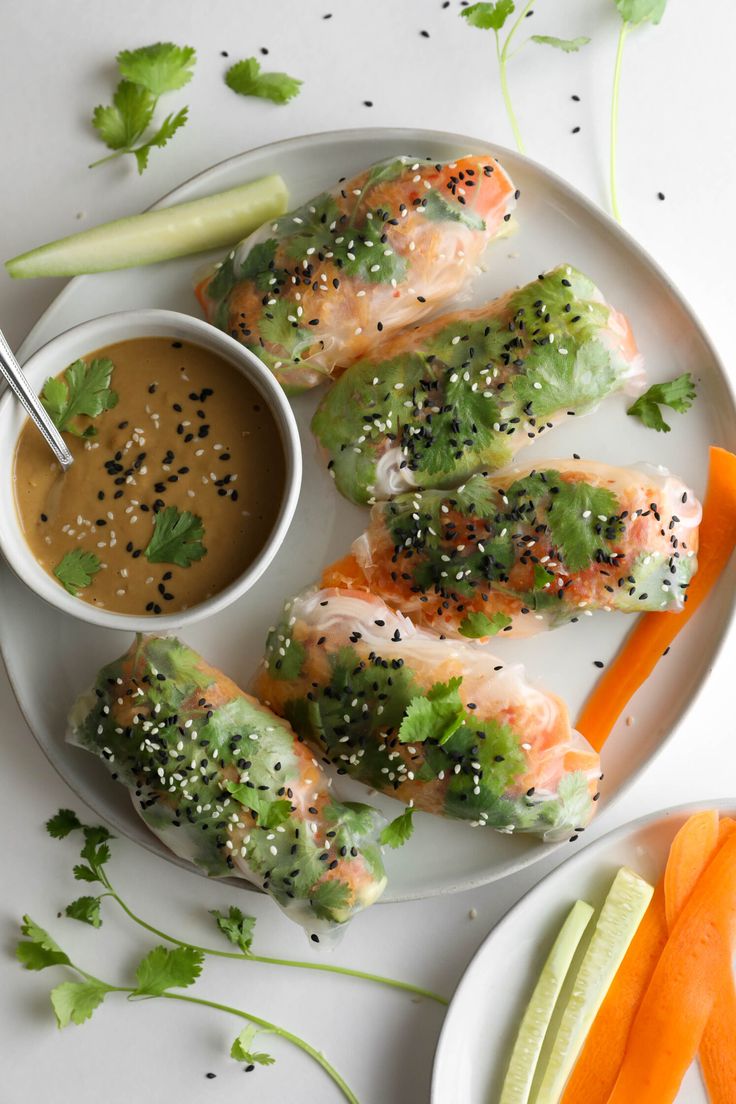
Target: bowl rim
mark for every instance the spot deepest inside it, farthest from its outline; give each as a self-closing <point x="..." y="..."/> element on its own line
<point x="83" y="339"/>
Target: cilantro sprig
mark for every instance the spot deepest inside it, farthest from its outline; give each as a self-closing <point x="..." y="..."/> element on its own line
<point x="247" y="79"/>
<point x="633" y="14"/>
<point x="176" y="539"/>
<point x="237" y="927"/>
<point x="493" y="17"/>
<point x="76" y="569"/>
<point x="164" y="970"/>
<point x="82" y="390"/>
<point x="126" y="125"/>
<point x="678" y="394"/>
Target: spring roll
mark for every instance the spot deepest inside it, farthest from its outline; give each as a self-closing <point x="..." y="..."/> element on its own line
<point x="441" y="725"/>
<point x="466" y="391"/>
<point x="531" y="548"/>
<point x="316" y="290"/>
<point x="226" y="784"/>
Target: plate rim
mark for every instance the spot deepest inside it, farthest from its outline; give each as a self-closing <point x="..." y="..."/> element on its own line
<point x="413" y="134"/>
<point x="629" y="828"/>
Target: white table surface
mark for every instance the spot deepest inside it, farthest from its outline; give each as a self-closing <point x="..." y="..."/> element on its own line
<point x="676" y="136"/>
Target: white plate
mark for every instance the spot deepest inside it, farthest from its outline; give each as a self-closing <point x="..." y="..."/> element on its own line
<point x="480" y="1026"/>
<point x="50" y="656"/>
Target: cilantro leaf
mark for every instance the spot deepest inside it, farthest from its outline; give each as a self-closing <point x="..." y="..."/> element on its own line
<point x="165" y="132"/>
<point x="84" y="873"/>
<point x="438" y="209"/>
<point x="242" y="1051"/>
<point x="177" y="538"/>
<point x="488" y="16"/>
<point x="39" y="950"/>
<point x="641" y="11"/>
<point x="75" y="1001"/>
<point x="279" y="325"/>
<point x="268" y="813"/>
<point x="330" y="898"/>
<point x="247" y="79"/>
<point x="164" y="969"/>
<point x="554" y="381"/>
<point x="95" y="849"/>
<point x="477" y="624"/>
<point x="75" y="570"/>
<point x="356" y="817"/>
<point x="542" y="577"/>
<point x="287" y="666"/>
<point x="577" y="515"/>
<point x="86" y="909"/>
<point x="82" y="390"/>
<point x="399" y="830"/>
<point x="435" y="716"/>
<point x="121" y="124"/>
<point x="236" y="926"/>
<point x="678" y="394"/>
<point x="162" y="67"/>
<point x="568" y="45"/>
<point x="62" y="823"/>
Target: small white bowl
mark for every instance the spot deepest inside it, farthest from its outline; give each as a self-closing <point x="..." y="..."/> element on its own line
<point x="80" y="342"/>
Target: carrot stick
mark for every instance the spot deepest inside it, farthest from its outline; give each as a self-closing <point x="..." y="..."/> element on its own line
<point x="690" y="852"/>
<point x="718" y="1045"/>
<point x="685" y="985"/>
<point x="655" y="632"/>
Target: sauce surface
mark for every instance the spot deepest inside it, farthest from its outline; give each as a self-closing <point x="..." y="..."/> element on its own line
<point x="188" y="432"/>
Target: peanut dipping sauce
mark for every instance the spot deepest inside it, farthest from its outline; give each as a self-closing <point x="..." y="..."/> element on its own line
<point x="189" y="431"/>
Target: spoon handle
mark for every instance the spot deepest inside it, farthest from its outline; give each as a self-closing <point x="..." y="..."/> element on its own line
<point x="20" y="387"/>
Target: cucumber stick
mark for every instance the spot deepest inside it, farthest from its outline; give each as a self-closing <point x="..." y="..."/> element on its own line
<point x="207" y="223"/>
<point x="533" y="1028"/>
<point x="620" y="916"/>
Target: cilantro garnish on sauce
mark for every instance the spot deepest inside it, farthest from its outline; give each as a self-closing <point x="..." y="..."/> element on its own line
<point x="177" y="538"/>
<point x="84" y="389"/>
<point x="76" y="569"/>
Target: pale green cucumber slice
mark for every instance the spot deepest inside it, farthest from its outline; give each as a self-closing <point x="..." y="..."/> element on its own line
<point x="533" y="1027"/>
<point x="616" y="926"/>
<point x="207" y="223"/>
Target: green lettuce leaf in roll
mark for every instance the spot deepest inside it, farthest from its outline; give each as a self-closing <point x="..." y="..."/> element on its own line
<point x="225" y="783"/>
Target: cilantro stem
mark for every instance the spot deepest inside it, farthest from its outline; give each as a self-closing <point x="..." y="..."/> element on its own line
<point x="294" y="963"/>
<point x="502" y="52"/>
<point x="267" y="1026"/>
<point x="110" y="157"/>
<point x="614" y="118"/>
<point x="249" y="1016"/>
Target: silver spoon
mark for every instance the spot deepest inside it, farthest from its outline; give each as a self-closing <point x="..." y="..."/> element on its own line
<point x="11" y="370"/>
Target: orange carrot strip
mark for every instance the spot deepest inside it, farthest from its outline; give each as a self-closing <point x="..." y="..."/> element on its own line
<point x="685" y="985"/>
<point x="346" y="572"/>
<point x="690" y="851"/>
<point x="596" y="1069"/>
<point x="655" y="632"/>
<point x="718" y="1045"/>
